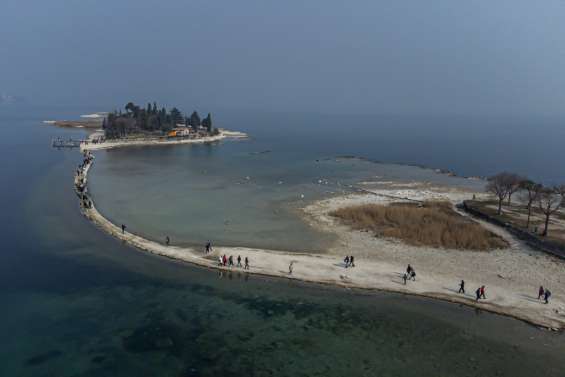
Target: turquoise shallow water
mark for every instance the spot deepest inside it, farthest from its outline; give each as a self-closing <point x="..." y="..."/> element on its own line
<point x="76" y="302"/>
<point x="236" y="192"/>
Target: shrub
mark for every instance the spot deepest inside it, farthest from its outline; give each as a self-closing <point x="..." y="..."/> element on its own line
<point x="433" y="224"/>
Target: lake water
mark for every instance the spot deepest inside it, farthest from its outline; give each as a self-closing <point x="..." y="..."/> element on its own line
<point x="256" y="193"/>
<point x="79" y="303"/>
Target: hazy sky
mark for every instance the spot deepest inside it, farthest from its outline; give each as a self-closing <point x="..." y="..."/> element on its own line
<point x="439" y="56"/>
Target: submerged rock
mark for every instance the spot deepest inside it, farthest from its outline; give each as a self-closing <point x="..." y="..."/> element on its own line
<point x="151" y="338"/>
<point x="43" y="357"/>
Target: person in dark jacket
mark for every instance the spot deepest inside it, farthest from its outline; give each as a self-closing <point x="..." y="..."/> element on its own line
<point x="546" y="295"/>
<point x="462" y="287"/>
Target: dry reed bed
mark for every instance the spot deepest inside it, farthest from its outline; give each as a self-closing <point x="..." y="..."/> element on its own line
<point x="432" y="223"/>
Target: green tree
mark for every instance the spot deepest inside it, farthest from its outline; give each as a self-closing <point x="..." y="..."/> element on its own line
<point x="142" y="119"/>
<point x="207" y="122"/>
<point x="162" y="117"/>
<point x="195" y="120"/>
<point x="176" y="116"/>
<point x="130" y="107"/>
<point x="153" y="122"/>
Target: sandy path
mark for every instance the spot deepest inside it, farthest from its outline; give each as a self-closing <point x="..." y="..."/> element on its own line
<point x="511" y="276"/>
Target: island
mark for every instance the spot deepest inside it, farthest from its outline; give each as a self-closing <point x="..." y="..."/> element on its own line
<point x="138" y="126"/>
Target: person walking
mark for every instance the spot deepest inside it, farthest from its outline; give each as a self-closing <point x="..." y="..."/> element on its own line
<point x="404" y="278"/>
<point x="478" y="293"/>
<point x="239" y="261"/>
<point x="541" y="292"/>
<point x="290" y="267"/>
<point x="462" y="287"/>
<point x="246" y="267"/>
<point x="483" y="292"/>
<point x="351" y="261"/>
<point x="225" y="260"/>
<point x="546" y="295"/>
<point x="167" y="241"/>
<point x="346" y="261"/>
<point x="123" y="228"/>
<point x="230" y="261"/>
<point x="220" y="260"/>
<point x="208" y="247"/>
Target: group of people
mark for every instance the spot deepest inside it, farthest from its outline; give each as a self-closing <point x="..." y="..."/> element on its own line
<point x="544" y="293"/>
<point x="225" y="261"/>
<point x="349" y="261"/>
<point x="97" y="140"/>
<point x="80" y="180"/>
<point x="410" y="274"/>
<point x="480" y="293"/>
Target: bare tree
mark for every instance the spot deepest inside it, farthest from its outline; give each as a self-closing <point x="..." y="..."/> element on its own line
<point x="498" y="185"/>
<point x="550" y="200"/>
<point x="531" y="195"/>
<point x="514" y="183"/>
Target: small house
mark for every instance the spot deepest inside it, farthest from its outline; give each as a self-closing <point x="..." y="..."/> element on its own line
<point x="179" y="132"/>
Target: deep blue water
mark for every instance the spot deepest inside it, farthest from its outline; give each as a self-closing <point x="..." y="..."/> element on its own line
<point x="469" y="146"/>
<point x="77" y="303"/>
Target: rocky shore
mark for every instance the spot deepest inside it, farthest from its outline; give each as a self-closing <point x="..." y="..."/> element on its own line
<point x="92" y="143"/>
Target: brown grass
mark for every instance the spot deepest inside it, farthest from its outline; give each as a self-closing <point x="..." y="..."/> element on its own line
<point x="433" y="224"/>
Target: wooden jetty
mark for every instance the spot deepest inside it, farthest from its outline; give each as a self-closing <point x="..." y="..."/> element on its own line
<point x="65" y="143"/>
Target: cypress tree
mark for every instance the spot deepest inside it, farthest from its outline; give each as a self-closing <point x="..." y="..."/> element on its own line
<point x="209" y="122"/>
<point x="195" y="120"/>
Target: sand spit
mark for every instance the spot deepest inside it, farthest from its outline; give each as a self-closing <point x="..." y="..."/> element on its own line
<point x="511" y="276"/>
<point x="110" y="144"/>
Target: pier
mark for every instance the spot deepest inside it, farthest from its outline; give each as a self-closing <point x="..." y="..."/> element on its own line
<point x="65" y="143"/>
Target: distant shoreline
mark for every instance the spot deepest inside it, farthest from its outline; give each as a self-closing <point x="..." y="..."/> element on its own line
<point x="382" y="273"/>
<point x="89" y="123"/>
